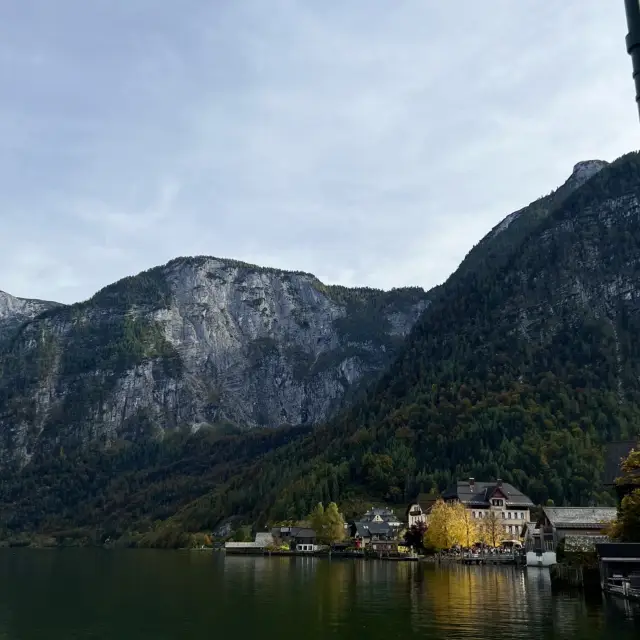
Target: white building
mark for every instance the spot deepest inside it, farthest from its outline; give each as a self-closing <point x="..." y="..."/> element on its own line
<point x="511" y="506"/>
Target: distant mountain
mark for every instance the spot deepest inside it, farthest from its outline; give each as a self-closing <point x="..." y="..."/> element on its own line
<point x="197" y="342"/>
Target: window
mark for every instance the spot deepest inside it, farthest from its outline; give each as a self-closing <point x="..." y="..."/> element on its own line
<point x="503" y="515"/>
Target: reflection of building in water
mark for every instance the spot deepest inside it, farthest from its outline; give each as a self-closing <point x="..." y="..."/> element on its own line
<point x="273" y="573"/>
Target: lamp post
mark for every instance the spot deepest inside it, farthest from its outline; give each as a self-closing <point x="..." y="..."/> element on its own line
<point x="632" y="8"/>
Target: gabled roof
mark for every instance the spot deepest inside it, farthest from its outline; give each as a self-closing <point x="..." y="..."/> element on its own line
<point x="386" y="514"/>
<point x="366" y="529"/>
<point x="479" y="493"/>
<point x="302" y="532"/>
<point x="362" y="529"/>
<point x="425" y="501"/>
<point x="580" y="517"/>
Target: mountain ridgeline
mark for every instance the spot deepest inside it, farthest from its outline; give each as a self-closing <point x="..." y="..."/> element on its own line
<point x="200" y="342"/>
<point x="521" y="366"/>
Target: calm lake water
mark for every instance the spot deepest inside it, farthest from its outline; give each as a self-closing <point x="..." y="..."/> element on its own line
<point x="140" y="595"/>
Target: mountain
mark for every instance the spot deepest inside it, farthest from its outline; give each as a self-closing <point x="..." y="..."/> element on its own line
<point x="521" y="369"/>
<point x="497" y="246"/>
<point x="14" y="311"/>
<point x="198" y="342"/>
<point x="524" y="364"/>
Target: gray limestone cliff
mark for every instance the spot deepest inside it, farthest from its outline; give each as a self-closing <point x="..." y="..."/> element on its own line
<point x="199" y="341"/>
<point x="14" y="311"/>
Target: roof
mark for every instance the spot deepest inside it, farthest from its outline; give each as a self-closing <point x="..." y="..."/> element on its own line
<point x="384" y="513"/>
<point x="615" y="452"/>
<point x="302" y="532"/>
<point x="365" y="529"/>
<point x="425" y="501"/>
<point x="580" y="517"/>
<point x="479" y="493"/>
<point x="380" y="511"/>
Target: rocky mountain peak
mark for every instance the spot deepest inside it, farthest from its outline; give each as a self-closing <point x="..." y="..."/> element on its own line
<point x="585" y="170"/>
<point x="14" y="311"/>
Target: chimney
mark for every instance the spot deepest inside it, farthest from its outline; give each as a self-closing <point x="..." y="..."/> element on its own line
<point x="472" y="482"/>
<point x="499" y="482"/>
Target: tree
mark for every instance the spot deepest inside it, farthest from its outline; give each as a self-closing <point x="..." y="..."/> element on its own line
<point x="316" y="519"/>
<point x="470" y="526"/>
<point x="241" y="535"/>
<point x="327" y="523"/>
<point x="492" y="529"/>
<point x="446" y="526"/>
<point x="630" y="469"/>
<point x="626" y="526"/>
<point x="414" y="536"/>
<point x="333" y="524"/>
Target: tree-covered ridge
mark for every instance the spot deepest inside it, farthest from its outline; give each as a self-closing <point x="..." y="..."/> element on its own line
<point x="499" y="244"/>
<point x="522" y="369"/>
<point x="523" y="372"/>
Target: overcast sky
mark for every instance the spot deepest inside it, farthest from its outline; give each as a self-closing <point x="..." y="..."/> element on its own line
<point x="371" y="142"/>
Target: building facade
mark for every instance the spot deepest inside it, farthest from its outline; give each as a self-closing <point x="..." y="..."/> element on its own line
<point x="576" y="526"/>
<point x="419" y="510"/>
<point x="511" y="507"/>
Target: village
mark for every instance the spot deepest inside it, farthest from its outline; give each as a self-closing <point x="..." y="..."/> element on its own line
<point x="481" y="523"/>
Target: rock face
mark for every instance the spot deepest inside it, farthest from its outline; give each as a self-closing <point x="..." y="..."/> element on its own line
<point x="200" y="341"/>
<point x="14" y="311"/>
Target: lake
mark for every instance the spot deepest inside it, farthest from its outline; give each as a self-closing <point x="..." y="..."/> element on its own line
<point x="161" y="595"/>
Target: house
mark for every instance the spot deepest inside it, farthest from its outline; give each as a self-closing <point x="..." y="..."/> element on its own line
<point x="385" y="547"/>
<point x="304" y="539"/>
<point x="419" y="510"/>
<point x="511" y="506"/>
<point x="578" y="527"/>
<point x="297" y="538"/>
<point x="365" y="533"/>
<point x="381" y="514"/>
<point x="567" y="521"/>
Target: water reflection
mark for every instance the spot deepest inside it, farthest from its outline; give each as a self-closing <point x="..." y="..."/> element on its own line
<point x="178" y="596"/>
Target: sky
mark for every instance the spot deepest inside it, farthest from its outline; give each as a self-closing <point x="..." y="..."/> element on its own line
<point x="370" y="142"/>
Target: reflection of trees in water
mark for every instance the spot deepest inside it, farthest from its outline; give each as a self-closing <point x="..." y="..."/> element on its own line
<point x="389" y="599"/>
<point x="474" y="598"/>
<point x="481" y="601"/>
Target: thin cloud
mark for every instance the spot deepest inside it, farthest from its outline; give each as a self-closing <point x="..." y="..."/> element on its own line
<point x="368" y="144"/>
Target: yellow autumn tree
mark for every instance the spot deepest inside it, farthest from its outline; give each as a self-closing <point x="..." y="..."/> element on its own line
<point x="469" y="525"/>
<point x="447" y="526"/>
<point x="492" y="529"/>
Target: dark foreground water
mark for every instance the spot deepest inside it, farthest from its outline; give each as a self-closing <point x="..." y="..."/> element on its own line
<point x="72" y="594"/>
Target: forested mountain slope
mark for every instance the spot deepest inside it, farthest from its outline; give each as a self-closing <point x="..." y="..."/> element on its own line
<point x="522" y="372"/>
<point x="521" y="369"/>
